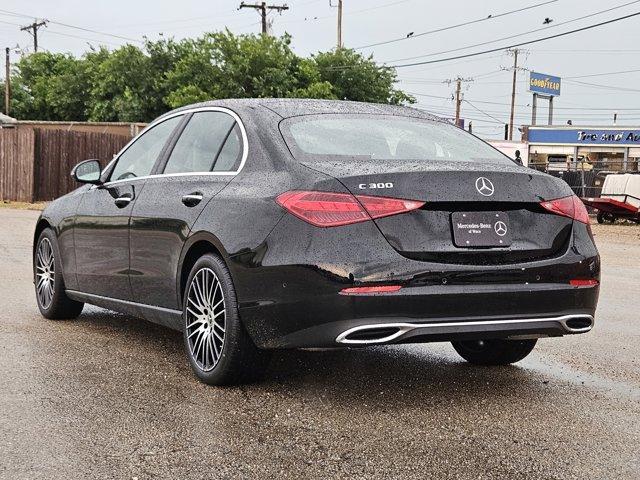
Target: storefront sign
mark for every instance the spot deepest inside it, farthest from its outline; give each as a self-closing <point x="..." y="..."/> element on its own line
<point x="580" y="136"/>
<point x="544" y="84"/>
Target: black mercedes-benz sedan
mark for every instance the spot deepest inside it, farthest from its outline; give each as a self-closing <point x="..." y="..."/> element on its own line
<point x="253" y="225"/>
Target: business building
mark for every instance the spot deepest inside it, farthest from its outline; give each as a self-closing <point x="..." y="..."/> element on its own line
<point x="612" y="148"/>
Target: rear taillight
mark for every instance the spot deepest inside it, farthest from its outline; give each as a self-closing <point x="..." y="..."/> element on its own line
<point x="584" y="282"/>
<point x="571" y="207"/>
<point x="328" y="209"/>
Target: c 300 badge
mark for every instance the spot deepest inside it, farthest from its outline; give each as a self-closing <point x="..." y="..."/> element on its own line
<point x="371" y="186"/>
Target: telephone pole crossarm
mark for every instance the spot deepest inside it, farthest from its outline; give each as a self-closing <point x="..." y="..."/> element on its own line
<point x="263" y="8"/>
<point x="458" y="95"/>
<point x="32" y="29"/>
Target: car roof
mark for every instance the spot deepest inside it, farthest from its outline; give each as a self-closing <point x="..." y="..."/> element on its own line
<point x="291" y="107"/>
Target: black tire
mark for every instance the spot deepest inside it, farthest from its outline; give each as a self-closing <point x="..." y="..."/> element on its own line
<point x="603" y="217"/>
<point x="239" y="360"/>
<point x="56" y="305"/>
<point x="494" y="352"/>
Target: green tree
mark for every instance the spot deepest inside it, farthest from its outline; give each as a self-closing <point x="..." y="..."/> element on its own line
<point x="138" y="84"/>
<point x="51" y="86"/>
<point x="122" y="87"/>
<point x="223" y="65"/>
<point x="354" y="77"/>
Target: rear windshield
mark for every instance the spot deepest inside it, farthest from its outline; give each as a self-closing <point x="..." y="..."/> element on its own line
<point x="384" y="137"/>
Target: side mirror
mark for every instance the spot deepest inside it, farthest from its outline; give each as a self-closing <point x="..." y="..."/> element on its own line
<point x="87" y="172"/>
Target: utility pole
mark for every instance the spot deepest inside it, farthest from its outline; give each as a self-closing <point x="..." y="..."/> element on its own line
<point x="339" y="45"/>
<point x="264" y="8"/>
<point x="33" y="31"/>
<point x="513" y="91"/>
<point x="458" y="94"/>
<point x="458" y="100"/>
<point x="7" y="83"/>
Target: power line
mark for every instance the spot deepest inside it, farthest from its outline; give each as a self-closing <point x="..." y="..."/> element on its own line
<point x="67" y="25"/>
<point x="362" y="10"/>
<point x="487" y="102"/>
<point x="529" y="42"/>
<point x="603" y="74"/>
<point x="515" y="35"/>
<point x="483" y="112"/>
<point x="54" y="32"/>
<point x="451" y="27"/>
<point x="605" y="87"/>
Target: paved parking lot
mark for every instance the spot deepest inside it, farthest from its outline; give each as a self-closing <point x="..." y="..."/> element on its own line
<point x="110" y="396"/>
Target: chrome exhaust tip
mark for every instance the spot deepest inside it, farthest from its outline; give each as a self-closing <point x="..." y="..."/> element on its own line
<point x="371" y="334"/>
<point x="388" y="332"/>
<point x="578" y="323"/>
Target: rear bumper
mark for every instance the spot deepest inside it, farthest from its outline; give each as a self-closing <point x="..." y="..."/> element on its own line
<point x="424" y="314"/>
<point x="289" y="291"/>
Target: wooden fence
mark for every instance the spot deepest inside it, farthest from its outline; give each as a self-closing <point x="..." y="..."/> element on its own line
<point x="16" y="164"/>
<point x="35" y="164"/>
<point x="57" y="151"/>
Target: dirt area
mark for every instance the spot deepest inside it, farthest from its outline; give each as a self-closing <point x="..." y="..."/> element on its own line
<point x="23" y="205"/>
<point x="621" y="232"/>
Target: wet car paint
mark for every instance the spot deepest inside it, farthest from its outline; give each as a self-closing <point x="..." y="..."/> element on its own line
<point x="288" y="274"/>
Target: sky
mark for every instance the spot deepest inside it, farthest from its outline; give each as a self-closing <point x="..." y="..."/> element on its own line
<point x="590" y="62"/>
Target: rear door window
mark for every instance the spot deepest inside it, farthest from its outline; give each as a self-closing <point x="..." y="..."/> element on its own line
<point x="230" y="153"/>
<point x="210" y="142"/>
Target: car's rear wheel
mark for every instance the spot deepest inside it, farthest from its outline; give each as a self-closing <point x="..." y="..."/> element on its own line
<point x="219" y="349"/>
<point x="51" y="297"/>
<point x="495" y="351"/>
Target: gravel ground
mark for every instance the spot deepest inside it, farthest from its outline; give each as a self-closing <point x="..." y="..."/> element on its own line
<point x="110" y="396"/>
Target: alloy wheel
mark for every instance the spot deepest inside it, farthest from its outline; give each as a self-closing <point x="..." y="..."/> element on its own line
<point x="205" y="319"/>
<point x="45" y="273"/>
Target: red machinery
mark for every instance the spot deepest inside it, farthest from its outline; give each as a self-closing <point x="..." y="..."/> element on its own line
<point x="610" y="209"/>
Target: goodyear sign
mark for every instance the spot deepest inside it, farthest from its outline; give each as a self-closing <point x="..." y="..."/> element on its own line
<point x="544" y="84"/>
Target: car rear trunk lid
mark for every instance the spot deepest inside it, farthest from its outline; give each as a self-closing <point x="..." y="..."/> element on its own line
<point x="453" y="191"/>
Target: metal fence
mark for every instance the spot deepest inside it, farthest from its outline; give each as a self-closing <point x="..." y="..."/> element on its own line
<point x="587" y="177"/>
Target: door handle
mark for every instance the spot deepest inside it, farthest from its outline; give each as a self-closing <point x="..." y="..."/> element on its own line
<point x="192" y="199"/>
<point x="123" y="201"/>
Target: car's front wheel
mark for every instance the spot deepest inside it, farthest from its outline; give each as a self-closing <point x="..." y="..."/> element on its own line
<point x="495" y="351"/>
<point x="51" y="297"/>
<point x="219" y="349"/>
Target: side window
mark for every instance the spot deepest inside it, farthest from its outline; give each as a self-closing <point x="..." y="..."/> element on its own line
<point x="202" y="142"/>
<point x="231" y="152"/>
<point x="139" y="158"/>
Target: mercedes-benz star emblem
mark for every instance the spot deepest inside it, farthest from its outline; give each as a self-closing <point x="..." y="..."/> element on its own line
<point x="501" y="228"/>
<point x="484" y="186"/>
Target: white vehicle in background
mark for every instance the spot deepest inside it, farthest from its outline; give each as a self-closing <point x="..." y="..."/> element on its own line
<point x="620" y="198"/>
